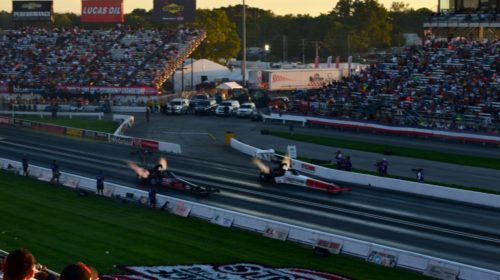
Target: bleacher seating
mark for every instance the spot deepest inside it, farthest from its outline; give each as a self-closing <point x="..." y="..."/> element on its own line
<point x="444" y="85"/>
<point x="116" y="57"/>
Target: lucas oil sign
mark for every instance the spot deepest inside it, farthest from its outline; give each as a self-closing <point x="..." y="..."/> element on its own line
<point x="239" y="271"/>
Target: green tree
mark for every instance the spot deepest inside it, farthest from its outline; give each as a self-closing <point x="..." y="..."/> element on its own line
<point x="222" y="40"/>
<point x="371" y="25"/>
<point x="63" y="21"/>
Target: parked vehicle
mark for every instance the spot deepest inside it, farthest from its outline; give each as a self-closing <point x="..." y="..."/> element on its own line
<point x="246" y="110"/>
<point x="178" y="106"/>
<point x="197" y="98"/>
<point x="232" y="107"/>
<point x="205" y="107"/>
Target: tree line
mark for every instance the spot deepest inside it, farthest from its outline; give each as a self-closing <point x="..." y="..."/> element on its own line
<point x="350" y="27"/>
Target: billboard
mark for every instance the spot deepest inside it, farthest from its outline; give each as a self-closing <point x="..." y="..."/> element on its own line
<point x="102" y="11"/>
<point x="174" y="10"/>
<point x="28" y="10"/>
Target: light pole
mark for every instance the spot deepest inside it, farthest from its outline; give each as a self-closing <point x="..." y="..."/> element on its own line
<point x="244" y="62"/>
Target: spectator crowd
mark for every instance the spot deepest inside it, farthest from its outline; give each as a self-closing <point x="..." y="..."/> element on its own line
<point x="440" y="84"/>
<point x="39" y="60"/>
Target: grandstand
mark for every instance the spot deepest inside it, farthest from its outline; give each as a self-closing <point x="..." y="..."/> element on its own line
<point x="76" y="60"/>
<point x="444" y="85"/>
<point x="473" y="19"/>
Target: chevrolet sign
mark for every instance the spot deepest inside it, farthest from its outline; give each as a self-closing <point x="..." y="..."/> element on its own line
<point x="173" y="8"/>
<point x="31" y="6"/>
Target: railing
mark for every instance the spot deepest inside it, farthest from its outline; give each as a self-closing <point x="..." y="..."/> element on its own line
<point x="99" y="115"/>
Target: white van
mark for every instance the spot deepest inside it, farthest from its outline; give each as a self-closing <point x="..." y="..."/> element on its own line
<point x="233" y="106"/>
<point x="178" y="106"/>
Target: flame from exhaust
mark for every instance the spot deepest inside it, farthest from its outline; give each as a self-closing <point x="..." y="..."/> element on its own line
<point x="286" y="162"/>
<point x="263" y="168"/>
<point x="141" y="172"/>
<point x="163" y="163"/>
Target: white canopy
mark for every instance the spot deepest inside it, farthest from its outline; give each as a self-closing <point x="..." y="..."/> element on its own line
<point x="229" y="86"/>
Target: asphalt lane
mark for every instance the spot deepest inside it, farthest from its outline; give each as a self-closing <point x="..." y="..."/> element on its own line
<point x="204" y="137"/>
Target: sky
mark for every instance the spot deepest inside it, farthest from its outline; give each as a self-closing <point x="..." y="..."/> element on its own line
<point x="279" y="7"/>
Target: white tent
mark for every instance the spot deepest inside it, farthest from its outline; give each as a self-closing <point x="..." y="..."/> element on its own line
<point x="229" y="86"/>
<point x="202" y="69"/>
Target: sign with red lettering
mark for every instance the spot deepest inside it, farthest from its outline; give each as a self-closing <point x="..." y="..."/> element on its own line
<point x="102" y="11"/>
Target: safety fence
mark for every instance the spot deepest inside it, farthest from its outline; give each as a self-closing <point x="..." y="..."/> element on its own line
<point x="336" y="244"/>
<point x="115" y="138"/>
<point x="387" y="129"/>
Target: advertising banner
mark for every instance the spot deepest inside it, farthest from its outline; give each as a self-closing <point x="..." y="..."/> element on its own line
<point x="276" y="233"/>
<point x="102" y="11"/>
<point x="30" y="90"/>
<point x="121" y="140"/>
<point x="95" y="135"/>
<point x="181" y="209"/>
<point x="108" y="90"/>
<point x="27" y="10"/>
<point x="74" y="132"/>
<point x="4" y="88"/>
<point x="382" y="258"/>
<point x="145" y="144"/>
<point x="236" y="271"/>
<point x="48" y="128"/>
<point x="440" y="272"/>
<point x="332" y="247"/>
<point x="174" y="10"/>
<point x="222" y="219"/>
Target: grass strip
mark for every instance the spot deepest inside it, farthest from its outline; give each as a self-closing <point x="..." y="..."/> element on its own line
<point x="485" y="162"/>
<point x="107" y="126"/>
<point x="60" y="227"/>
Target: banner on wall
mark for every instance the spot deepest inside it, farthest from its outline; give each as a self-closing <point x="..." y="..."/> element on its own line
<point x="102" y="11"/>
<point x="27" y="10"/>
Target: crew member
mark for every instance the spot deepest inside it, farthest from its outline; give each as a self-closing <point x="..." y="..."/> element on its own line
<point x="152" y="198"/>
<point x="55" y="173"/>
<point x="99" y="179"/>
<point x="25" y="165"/>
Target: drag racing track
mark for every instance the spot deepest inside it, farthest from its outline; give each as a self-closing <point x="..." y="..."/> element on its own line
<point x="444" y="229"/>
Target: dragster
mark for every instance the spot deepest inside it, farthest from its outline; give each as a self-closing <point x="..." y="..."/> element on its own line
<point x="285" y="175"/>
<point x="160" y="176"/>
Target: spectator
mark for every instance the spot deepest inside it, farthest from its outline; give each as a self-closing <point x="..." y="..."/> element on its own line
<point x="339" y="159"/>
<point x="25" y="165"/>
<point x="152" y="198"/>
<point x="55" y="173"/>
<point x="76" y="271"/>
<point x="419" y="174"/>
<point x="347" y="165"/>
<point x="148" y="111"/>
<point x="19" y="265"/>
<point x="382" y="167"/>
<point x="100" y="183"/>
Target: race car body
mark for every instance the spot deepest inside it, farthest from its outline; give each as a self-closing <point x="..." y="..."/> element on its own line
<point x="171" y="181"/>
<point x="293" y="177"/>
<point x="165" y="178"/>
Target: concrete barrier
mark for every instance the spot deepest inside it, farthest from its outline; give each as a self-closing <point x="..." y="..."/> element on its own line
<point x="350" y="246"/>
